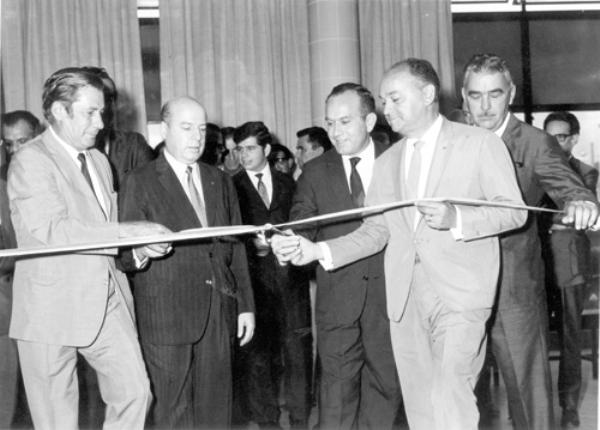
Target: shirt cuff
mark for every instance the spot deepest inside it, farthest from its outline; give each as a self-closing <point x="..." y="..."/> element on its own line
<point x="139" y="264"/>
<point x="457" y="232"/>
<point x="327" y="261"/>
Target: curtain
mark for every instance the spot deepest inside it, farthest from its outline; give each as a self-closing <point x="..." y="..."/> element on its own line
<point x="392" y="30"/>
<point x="243" y="60"/>
<point x="42" y="36"/>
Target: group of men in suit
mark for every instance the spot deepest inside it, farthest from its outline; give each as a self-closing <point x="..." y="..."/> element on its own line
<point x="449" y="268"/>
<point x="402" y="296"/>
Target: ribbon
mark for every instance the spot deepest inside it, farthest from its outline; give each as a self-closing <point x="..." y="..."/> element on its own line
<point x="236" y="230"/>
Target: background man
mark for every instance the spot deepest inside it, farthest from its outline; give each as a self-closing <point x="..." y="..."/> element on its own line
<point x="519" y="331"/>
<point x="188" y="302"/>
<point x="281" y="349"/>
<point x="281" y="159"/>
<point x="359" y="386"/>
<point x="18" y="127"/>
<point x="568" y="263"/>
<point x="312" y="142"/>
<point x="441" y="262"/>
<point x="61" y="192"/>
<point x="125" y="150"/>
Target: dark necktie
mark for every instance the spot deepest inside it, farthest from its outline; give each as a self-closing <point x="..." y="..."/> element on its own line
<point x="195" y="198"/>
<point x="86" y="174"/>
<point x="262" y="190"/>
<point x="356" y="185"/>
<point x="414" y="174"/>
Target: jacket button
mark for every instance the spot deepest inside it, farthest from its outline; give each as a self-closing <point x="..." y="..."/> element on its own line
<point x="208" y="282"/>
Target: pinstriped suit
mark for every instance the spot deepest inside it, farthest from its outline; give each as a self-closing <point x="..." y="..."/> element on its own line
<point x="185" y="320"/>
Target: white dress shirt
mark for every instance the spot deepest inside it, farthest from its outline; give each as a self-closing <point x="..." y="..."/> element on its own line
<point x="73" y="153"/>
<point x="267" y="179"/>
<point x="180" y="170"/>
<point x="364" y="167"/>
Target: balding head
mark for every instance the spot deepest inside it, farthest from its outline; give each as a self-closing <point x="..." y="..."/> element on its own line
<point x="184" y="128"/>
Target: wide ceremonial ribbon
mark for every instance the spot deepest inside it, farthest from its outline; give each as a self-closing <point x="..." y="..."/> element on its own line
<point x="227" y="232"/>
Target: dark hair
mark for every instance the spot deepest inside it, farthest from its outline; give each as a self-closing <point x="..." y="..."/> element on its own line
<point x="486" y="63"/>
<point x="110" y="89"/>
<point x="253" y="129"/>
<point x="63" y="86"/>
<point x="227" y="132"/>
<point x="317" y="136"/>
<point x="278" y="147"/>
<point x="211" y="144"/>
<point x="367" y="101"/>
<point x="420" y="69"/>
<point x="563" y="116"/>
<point x="10" y="119"/>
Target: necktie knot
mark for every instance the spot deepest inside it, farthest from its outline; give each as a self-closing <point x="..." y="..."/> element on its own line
<point x="259" y="176"/>
<point x="354" y="161"/>
<point x="418" y="145"/>
<point x="188" y="170"/>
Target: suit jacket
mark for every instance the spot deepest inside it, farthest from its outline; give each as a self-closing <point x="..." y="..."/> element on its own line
<point x="61" y="299"/>
<point x="289" y="282"/>
<point x="7" y="241"/>
<point x="541" y="168"/>
<point x="126" y="151"/>
<point x="323" y="188"/>
<point x="566" y="251"/>
<point x="172" y="294"/>
<point x="468" y="163"/>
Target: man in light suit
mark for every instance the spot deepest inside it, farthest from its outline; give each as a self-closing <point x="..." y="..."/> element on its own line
<point x="441" y="260"/>
<point x="519" y="330"/>
<point x="60" y="193"/>
<point x="190" y="303"/>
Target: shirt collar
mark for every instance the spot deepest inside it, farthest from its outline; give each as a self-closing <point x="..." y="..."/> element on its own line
<point x="73" y="153"/>
<point x="502" y="128"/>
<point x="367" y="153"/>
<point x="431" y="134"/>
<point x="178" y="167"/>
<point x="266" y="173"/>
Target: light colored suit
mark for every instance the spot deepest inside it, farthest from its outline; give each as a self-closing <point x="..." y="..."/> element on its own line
<point x="430" y="274"/>
<point x="63" y="300"/>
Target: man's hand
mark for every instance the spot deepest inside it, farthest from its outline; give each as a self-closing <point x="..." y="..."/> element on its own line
<point x="581" y="213"/>
<point x="144" y="228"/>
<point x="438" y="215"/>
<point x="246" y="325"/>
<point x="295" y="249"/>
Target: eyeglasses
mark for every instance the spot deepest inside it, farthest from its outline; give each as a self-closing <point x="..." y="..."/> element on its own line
<point x="280" y="159"/>
<point x="561" y="137"/>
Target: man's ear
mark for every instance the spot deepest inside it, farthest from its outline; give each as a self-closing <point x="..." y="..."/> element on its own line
<point x="267" y="149"/>
<point x="429" y="93"/>
<point x="164" y="127"/>
<point x="370" y="120"/>
<point x="574" y="139"/>
<point x="58" y="110"/>
<point x="513" y="91"/>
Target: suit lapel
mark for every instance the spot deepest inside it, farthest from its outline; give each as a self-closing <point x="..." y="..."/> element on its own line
<point x="439" y="162"/>
<point x="338" y="184"/>
<point x="511" y="138"/>
<point x="211" y="190"/>
<point x="71" y="172"/>
<point x="103" y="177"/>
<point x="277" y="190"/>
<point x="174" y="194"/>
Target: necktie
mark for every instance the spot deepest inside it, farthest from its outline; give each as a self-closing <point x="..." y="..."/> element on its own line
<point x="262" y="190"/>
<point x="414" y="174"/>
<point x="356" y="186"/>
<point x="86" y="174"/>
<point x="195" y="198"/>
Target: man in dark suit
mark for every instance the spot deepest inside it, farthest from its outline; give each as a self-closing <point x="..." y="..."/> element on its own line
<point x="18" y="127"/>
<point x="519" y="331"/>
<point x="281" y="293"/>
<point x="568" y="262"/>
<point x="189" y="302"/>
<point x="359" y="384"/>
